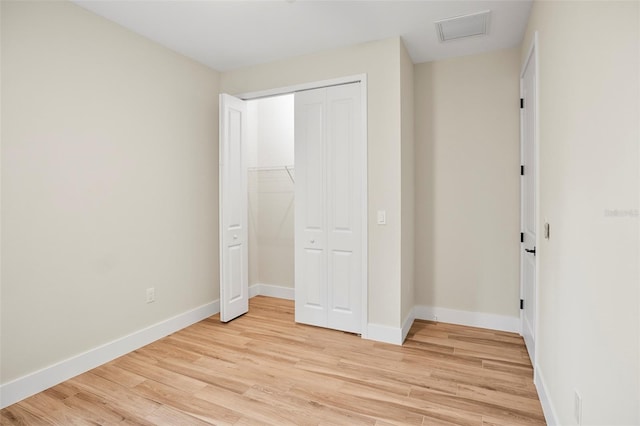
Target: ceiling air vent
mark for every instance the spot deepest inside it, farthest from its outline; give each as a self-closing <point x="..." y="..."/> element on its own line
<point x="463" y="26"/>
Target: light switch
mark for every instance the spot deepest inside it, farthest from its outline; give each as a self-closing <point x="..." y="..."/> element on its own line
<point x="382" y="217"/>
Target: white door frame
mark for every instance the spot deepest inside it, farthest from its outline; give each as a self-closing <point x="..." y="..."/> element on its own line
<point x="532" y="53"/>
<point x="362" y="79"/>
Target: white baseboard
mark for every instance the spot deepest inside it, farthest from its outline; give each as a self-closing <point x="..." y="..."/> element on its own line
<point x="270" y="290"/>
<point x="40" y="380"/>
<point x="396" y="336"/>
<point x="254" y="290"/>
<point x="385" y="334"/>
<point x="45" y="378"/>
<point x="407" y="323"/>
<point x="543" y="393"/>
<point x="472" y="319"/>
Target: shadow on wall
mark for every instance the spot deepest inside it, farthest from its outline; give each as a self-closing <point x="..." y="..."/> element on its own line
<point x="425" y="187"/>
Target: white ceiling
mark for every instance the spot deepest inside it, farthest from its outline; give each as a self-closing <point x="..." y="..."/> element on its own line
<point x="232" y="34"/>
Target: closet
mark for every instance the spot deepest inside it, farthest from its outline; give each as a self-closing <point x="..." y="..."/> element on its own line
<point x="271" y="178"/>
<point x="303" y="160"/>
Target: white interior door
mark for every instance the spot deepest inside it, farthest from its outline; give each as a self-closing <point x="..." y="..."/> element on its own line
<point x="528" y="203"/>
<point x="328" y="208"/>
<point x="234" y="284"/>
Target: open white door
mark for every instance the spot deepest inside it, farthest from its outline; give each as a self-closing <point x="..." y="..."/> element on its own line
<point x="528" y="203"/>
<point x="329" y="156"/>
<point x="234" y="282"/>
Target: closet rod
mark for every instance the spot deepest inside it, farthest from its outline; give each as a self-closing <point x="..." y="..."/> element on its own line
<point x="271" y="168"/>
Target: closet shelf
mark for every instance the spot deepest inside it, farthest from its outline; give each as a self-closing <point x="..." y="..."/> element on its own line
<point x="287" y="169"/>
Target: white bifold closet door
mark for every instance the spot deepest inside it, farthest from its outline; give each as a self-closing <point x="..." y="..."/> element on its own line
<point x="328" y="207"/>
<point x="234" y="269"/>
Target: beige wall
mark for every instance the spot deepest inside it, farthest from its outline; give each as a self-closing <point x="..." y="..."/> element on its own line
<point x="380" y="61"/>
<point x="408" y="181"/>
<point x="467" y="183"/>
<point x="273" y="216"/>
<point x="589" y="310"/>
<point x="109" y="184"/>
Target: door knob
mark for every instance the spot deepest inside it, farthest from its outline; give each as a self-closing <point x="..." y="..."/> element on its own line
<point x="532" y="251"/>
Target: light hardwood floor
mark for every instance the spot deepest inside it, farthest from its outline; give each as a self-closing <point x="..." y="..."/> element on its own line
<point x="262" y="368"/>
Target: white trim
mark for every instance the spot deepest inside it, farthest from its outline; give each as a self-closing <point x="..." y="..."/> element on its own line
<point x="638" y="121"/>
<point x="536" y="138"/>
<point x="521" y="181"/>
<point x="532" y="50"/>
<point x="43" y="379"/>
<point x="303" y="86"/>
<point x="270" y="290"/>
<point x="407" y="323"/>
<point x="364" y="332"/>
<point x="384" y="333"/>
<point x="254" y="290"/>
<point x="468" y="318"/>
<point x="388" y="334"/>
<point x="549" y="412"/>
<point x="47" y="377"/>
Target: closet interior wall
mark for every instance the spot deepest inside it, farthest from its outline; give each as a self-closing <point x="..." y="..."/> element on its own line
<point x="271" y="191"/>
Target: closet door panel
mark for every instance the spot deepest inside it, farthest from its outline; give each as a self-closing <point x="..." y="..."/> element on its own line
<point x="310" y="209"/>
<point x="344" y="167"/>
<point x="341" y="275"/>
<point x="340" y="164"/>
<point x="234" y="283"/>
<point x="328" y="154"/>
<point x="313" y="171"/>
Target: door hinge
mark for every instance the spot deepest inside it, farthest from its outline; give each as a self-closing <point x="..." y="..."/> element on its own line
<point x="522" y="237"/>
<point x="521" y="303"/>
<point x="521" y="170"/>
<point x="521" y="103"/>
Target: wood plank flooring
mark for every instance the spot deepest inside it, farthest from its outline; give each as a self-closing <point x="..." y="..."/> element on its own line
<point x="263" y="368"/>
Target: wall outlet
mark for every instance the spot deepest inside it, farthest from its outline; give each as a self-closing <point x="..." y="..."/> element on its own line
<point x="577" y="407"/>
<point x="151" y="294"/>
